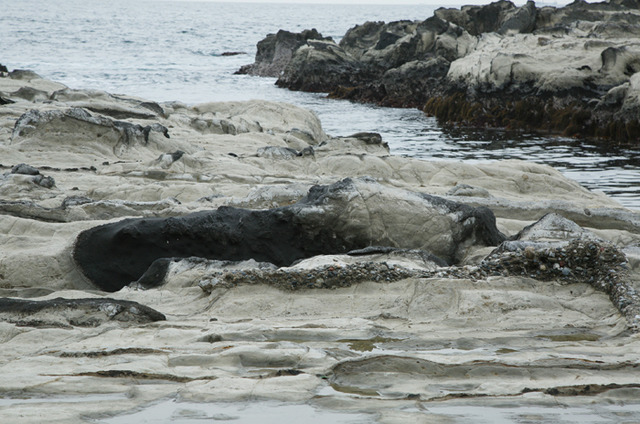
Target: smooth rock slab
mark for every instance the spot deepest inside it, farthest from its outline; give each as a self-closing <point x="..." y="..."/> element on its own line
<point x="350" y="214"/>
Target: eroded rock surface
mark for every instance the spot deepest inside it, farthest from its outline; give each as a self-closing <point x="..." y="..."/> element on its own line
<point x="383" y="330"/>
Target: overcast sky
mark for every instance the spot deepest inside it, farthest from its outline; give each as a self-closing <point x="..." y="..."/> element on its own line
<point x="392" y="2"/>
<point x="429" y="2"/>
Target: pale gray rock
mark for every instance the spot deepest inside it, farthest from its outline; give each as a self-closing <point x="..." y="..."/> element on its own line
<point x="112" y="138"/>
<point x="275" y="152"/>
<point x="554" y="227"/>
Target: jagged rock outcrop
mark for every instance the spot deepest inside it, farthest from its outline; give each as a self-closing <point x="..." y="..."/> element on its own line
<point x="276" y="50"/>
<point x="569" y="70"/>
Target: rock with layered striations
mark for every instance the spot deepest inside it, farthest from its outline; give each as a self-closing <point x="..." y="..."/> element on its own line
<point x="109" y="137"/>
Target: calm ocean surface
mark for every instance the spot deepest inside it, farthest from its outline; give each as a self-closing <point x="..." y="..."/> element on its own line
<point x="172" y="50"/>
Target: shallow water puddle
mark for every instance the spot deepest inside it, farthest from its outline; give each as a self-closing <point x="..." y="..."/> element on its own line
<point x="560" y="413"/>
<point x="258" y="412"/>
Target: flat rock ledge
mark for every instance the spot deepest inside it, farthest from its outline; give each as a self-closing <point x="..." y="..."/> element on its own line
<point x="571" y="70"/>
<point x="601" y="265"/>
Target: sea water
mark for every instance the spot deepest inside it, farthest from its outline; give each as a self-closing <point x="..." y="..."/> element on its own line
<point x="174" y="50"/>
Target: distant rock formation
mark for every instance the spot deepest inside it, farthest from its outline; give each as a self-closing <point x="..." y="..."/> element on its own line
<point x="276" y="50"/>
<point x="570" y="70"/>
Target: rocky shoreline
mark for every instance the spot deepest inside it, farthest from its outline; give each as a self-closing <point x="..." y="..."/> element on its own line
<point x="234" y="252"/>
<point x="570" y="70"/>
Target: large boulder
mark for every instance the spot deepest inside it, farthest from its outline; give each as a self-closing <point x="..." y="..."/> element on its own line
<point x="350" y="214"/>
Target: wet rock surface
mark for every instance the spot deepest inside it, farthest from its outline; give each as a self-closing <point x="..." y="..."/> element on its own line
<point x="342" y="278"/>
<point x="570" y="70"/>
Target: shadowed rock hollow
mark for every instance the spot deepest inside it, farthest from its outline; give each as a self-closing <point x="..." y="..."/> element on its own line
<point x="347" y="215"/>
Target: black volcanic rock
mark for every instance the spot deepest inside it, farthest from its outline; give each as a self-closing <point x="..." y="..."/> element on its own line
<point x="347" y="215"/>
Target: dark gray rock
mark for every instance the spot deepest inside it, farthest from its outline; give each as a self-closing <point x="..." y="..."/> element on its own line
<point x="411" y="84"/>
<point x="396" y="64"/>
<point x="321" y="66"/>
<point x="46" y="182"/>
<point x="61" y="312"/>
<point x="5" y="101"/>
<point x="375" y="35"/>
<point x="521" y="20"/>
<point x="24" y="169"/>
<point x="23" y="74"/>
<point x="37" y="178"/>
<point x="502" y="17"/>
<point x="275" y="52"/>
<point x="331" y="219"/>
